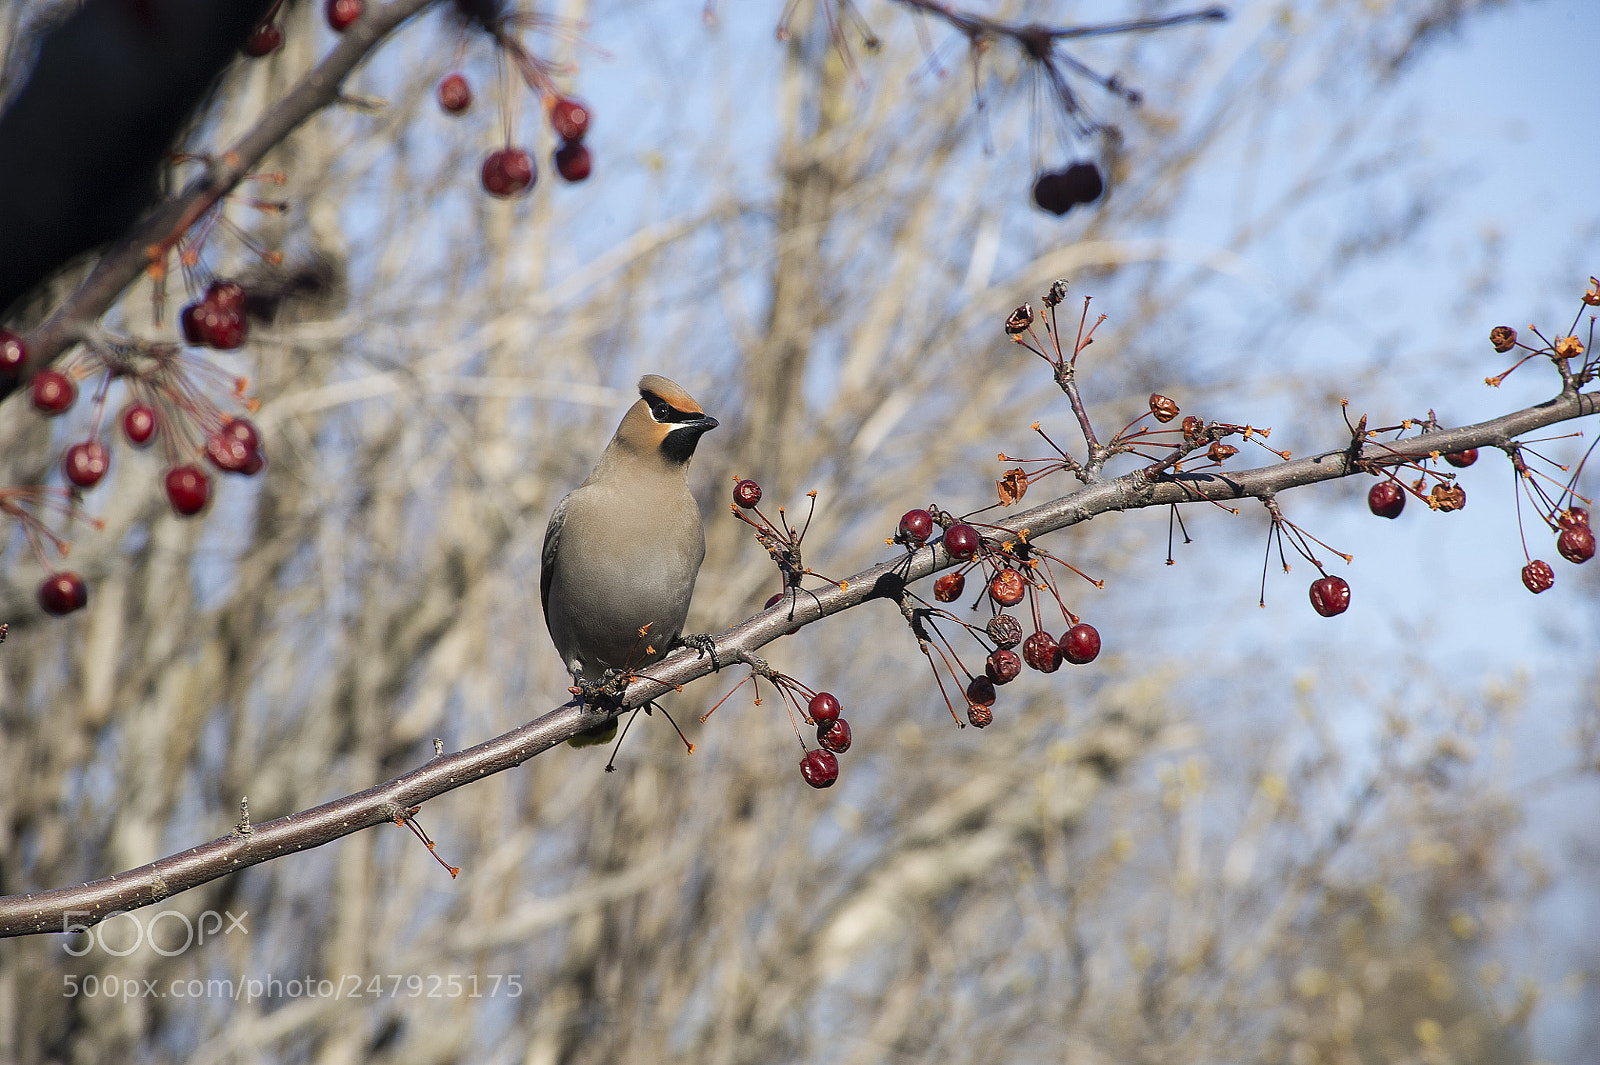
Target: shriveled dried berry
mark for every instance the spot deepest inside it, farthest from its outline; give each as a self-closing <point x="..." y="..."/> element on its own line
<point x="1057" y="293"/>
<point x="1163" y="408"/>
<point x="1503" y="337"/>
<point x="1080" y="644"/>
<point x="1008" y="587"/>
<point x="915" y="526"/>
<point x="1568" y="347"/>
<point x="1386" y="499"/>
<point x="1537" y="576"/>
<point x="1002" y="666"/>
<point x="1041" y="652"/>
<point x="1576" y="544"/>
<point x="820" y="768"/>
<point x="948" y="588"/>
<point x="1005" y="630"/>
<point x="1462" y="459"/>
<point x="746" y="494"/>
<point x="835" y="735"/>
<point x="1220" y="452"/>
<point x="823" y="708"/>
<point x="1193" y="428"/>
<point x="1447" y="497"/>
<point x="978" y="715"/>
<point x="1330" y="596"/>
<point x="961" y="541"/>
<point x="980" y="692"/>
<point x="1573" y="516"/>
<point x="1020" y="320"/>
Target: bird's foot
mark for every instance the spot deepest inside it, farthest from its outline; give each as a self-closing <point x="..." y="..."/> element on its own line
<point x="705" y="643"/>
<point x="600" y="697"/>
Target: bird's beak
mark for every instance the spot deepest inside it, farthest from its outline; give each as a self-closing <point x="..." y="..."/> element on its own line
<point x="703" y="424"/>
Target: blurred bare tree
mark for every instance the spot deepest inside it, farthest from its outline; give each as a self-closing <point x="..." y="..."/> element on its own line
<point x="1105" y="875"/>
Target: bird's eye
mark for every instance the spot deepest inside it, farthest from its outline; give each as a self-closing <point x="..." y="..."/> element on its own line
<point x="659" y="410"/>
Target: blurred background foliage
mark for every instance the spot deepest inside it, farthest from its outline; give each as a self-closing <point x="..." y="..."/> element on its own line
<point x="1237" y="837"/>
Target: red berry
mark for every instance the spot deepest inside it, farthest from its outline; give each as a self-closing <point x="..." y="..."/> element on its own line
<point x="746" y="494"/>
<point x="1386" y="499"/>
<point x="1002" y="666"/>
<point x="188" y="489"/>
<point x="53" y="392"/>
<point x="835" y="735"/>
<point x="573" y="161"/>
<point x="454" y="93"/>
<point x="62" y="593"/>
<point x="915" y="526"/>
<point x="1537" y="576"/>
<point x="257" y="463"/>
<point x="190" y="320"/>
<point x="222" y="326"/>
<point x="823" y="708"/>
<point x="13" y="352"/>
<point x="1041" y="653"/>
<point x="85" y="463"/>
<point x="226" y="453"/>
<point x="820" y="768"/>
<point x="228" y="295"/>
<point x="570" y="119"/>
<point x="1462" y="459"/>
<point x="980" y="691"/>
<point x="244" y="431"/>
<point x="507" y="172"/>
<point x="948" y="589"/>
<point x="1080" y="644"/>
<point x="139" y="424"/>
<point x="1004" y="630"/>
<point x="341" y="13"/>
<point x="263" y="40"/>
<point x="1330" y="596"/>
<point x="1007" y="587"/>
<point x="1576" y="544"/>
<point x="961" y="541"/>
<point x="1573" y="516"/>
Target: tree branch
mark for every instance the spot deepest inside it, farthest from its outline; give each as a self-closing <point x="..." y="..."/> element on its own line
<point x="87" y="904"/>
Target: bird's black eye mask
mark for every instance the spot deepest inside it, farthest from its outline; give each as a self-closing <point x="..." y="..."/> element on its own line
<point x="664" y="412"/>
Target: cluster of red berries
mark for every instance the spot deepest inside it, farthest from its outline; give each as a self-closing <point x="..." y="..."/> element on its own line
<point x="1059" y="191"/>
<point x="217" y="319"/>
<point x="1014" y="573"/>
<point x="510" y="171"/>
<point x="820" y="767"/>
<point x="1575" y="543"/>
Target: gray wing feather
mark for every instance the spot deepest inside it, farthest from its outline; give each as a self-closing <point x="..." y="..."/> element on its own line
<point x="552" y="541"/>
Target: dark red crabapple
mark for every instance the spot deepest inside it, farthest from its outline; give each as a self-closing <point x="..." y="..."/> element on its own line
<point x="1537" y="576"/>
<point x="573" y="161"/>
<point x="188" y="489"/>
<point x="835" y="735"/>
<point x="746" y="494"/>
<point x="1002" y="666"/>
<point x="1462" y="459"/>
<point x="1080" y="644"/>
<point x="1008" y="587"/>
<point x="53" y="392"/>
<point x="263" y="40"/>
<point x="1058" y="191"/>
<point x="454" y="94"/>
<point x="916" y="526"/>
<point x="86" y="463"/>
<point x="1004" y="630"/>
<point x="948" y="588"/>
<point x="341" y="13"/>
<point x="823" y="708"/>
<point x="569" y="118"/>
<point x="1576" y="544"/>
<point x="507" y="172"/>
<point x="139" y="424"/>
<point x="820" y="768"/>
<point x="1573" y="516"/>
<point x="226" y="453"/>
<point x="961" y="541"/>
<point x="1386" y="499"/>
<point x="1330" y="596"/>
<point x="226" y="294"/>
<point x="189" y="322"/>
<point x="980" y="691"/>
<point x="13" y="352"/>
<point x="1041" y="652"/>
<point x="62" y="593"/>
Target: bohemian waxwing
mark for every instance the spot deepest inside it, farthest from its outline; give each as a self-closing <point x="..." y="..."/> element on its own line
<point x="623" y="548"/>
